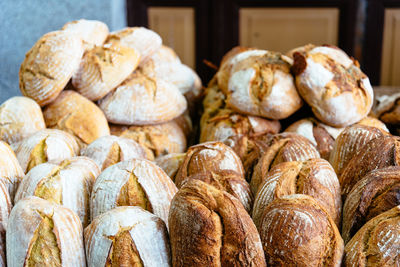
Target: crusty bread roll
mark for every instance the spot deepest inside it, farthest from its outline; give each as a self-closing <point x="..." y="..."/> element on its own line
<point x="281" y="148"/>
<point x="46" y="145"/>
<point x="374" y="194"/>
<point x="321" y="135"/>
<point x="11" y="172"/>
<point x="349" y="143"/>
<point x="103" y="68"/>
<point x="377" y="242"/>
<point x="170" y="163"/>
<point x="143" y="100"/>
<point x="127" y="236"/>
<point x="387" y="108"/>
<point x="261" y="84"/>
<point x="300" y="49"/>
<point x="92" y="32"/>
<point x="109" y="150"/>
<point x="373" y="122"/>
<point x="338" y="92"/>
<point x="135" y="182"/>
<point x="314" y="177"/>
<point x="210" y="156"/>
<point x="157" y="140"/>
<point x="78" y="116"/>
<point x="296" y="231"/>
<point x="378" y="153"/>
<point x="209" y="227"/>
<point x="20" y="117"/>
<point x="68" y="183"/>
<point x="40" y="233"/>
<point x="5" y="209"/>
<point x="145" y="41"/>
<point x="49" y="65"/>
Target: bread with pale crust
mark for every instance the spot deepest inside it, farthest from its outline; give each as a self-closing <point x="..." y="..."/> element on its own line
<point x="92" y="32"/>
<point x="11" y="172"/>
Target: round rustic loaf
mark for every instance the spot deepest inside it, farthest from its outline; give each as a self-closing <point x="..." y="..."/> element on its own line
<point x="40" y="233"/>
<point x="349" y="143"/>
<point x="143" y="100"/>
<point x="338" y="92"/>
<point x="374" y="194"/>
<point x="170" y="163"/>
<point x="5" y="209"/>
<point x="135" y="182"/>
<point x="103" y="68"/>
<point x="46" y="145"/>
<point x="109" y="150"/>
<point x="78" y="116"/>
<point x="127" y="236"/>
<point x="92" y="32"/>
<point x="11" y="172"/>
<point x="296" y="231"/>
<point x="49" y="65"/>
<point x="377" y="242"/>
<point x="314" y="177"/>
<point x="209" y="227"/>
<point x="320" y="135"/>
<point x="20" y="117"/>
<point x="68" y="183"/>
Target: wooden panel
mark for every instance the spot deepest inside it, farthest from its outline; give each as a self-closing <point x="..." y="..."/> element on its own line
<point x="176" y="25"/>
<point x="390" y="72"/>
<point x="281" y="29"/>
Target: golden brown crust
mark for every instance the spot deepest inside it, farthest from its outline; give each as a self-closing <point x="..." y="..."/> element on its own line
<point x="376" y="193"/>
<point x="209" y="227"/>
<point x="296" y="231"/>
<point x="376" y="154"/>
<point x="377" y="242"/>
<point x="373" y="122"/>
<point x="78" y="116"/>
<point x="314" y="177"/>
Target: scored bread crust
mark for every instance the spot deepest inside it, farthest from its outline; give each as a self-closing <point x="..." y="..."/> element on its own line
<point x="373" y="122"/>
<point x="25" y="219"/>
<point x="49" y="65"/>
<point x="78" y="116"/>
<point x="11" y="172"/>
<point x="170" y="163"/>
<point x="377" y="242"/>
<point x="92" y="32"/>
<point x="374" y="194"/>
<point x="147" y="232"/>
<point x="209" y="227"/>
<point x="158" y="188"/>
<point x="314" y="177"/>
<point x="296" y="231"/>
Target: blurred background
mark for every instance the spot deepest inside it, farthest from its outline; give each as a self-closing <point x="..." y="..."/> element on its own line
<point x="199" y="30"/>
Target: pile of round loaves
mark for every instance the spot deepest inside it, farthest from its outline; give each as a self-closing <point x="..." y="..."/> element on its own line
<point x="325" y="192"/>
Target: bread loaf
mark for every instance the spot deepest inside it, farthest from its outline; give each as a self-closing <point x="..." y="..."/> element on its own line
<point x="46" y="145"/>
<point x="103" y="68"/>
<point x="92" y="32"/>
<point x="320" y="135"/>
<point x="49" y="65"/>
<point x="349" y="143"/>
<point x="20" y="117"/>
<point x="40" y="233"/>
<point x="376" y="154"/>
<point x="374" y="194"/>
<point x="209" y="227"/>
<point x="296" y="231"/>
<point x="127" y="236"/>
<point x="281" y="148"/>
<point x="68" y="183"/>
<point x="11" y="172"/>
<point x="373" y="122"/>
<point x="135" y="182"/>
<point x="109" y="150"/>
<point x="314" y="177"/>
<point x="143" y="100"/>
<point x="333" y="85"/>
<point x="78" y="116"/>
<point x="170" y="163"/>
<point x="377" y="242"/>
<point x="145" y="41"/>
<point x="387" y="108"/>
<point x="157" y="140"/>
<point x="211" y="156"/>
<point x="5" y="209"/>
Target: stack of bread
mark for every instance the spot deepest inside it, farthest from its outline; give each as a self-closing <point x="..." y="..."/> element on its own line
<point x="95" y="169"/>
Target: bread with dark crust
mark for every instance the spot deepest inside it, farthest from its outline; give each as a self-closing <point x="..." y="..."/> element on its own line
<point x="296" y="231"/>
<point x="209" y="227"/>
<point x="374" y="194"/>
